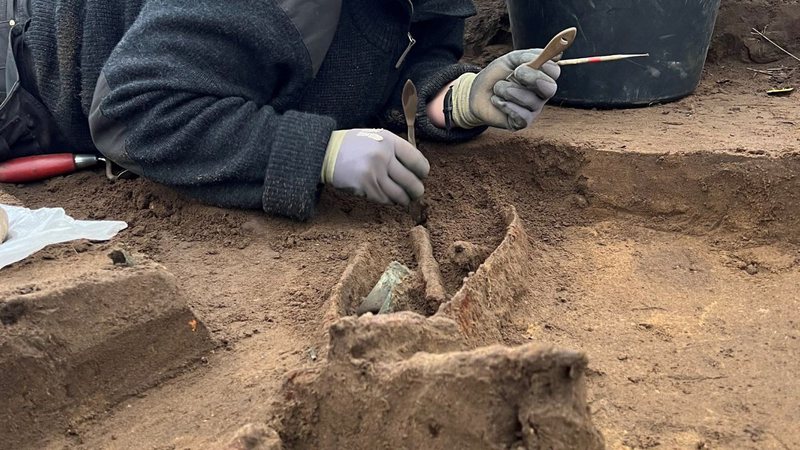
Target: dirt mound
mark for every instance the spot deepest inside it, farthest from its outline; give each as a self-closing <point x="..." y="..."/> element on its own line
<point x="487" y="35"/>
<point x="85" y="335"/>
<point x="733" y="36"/>
<point x="388" y="381"/>
<point x="147" y="207"/>
<point x="254" y="436"/>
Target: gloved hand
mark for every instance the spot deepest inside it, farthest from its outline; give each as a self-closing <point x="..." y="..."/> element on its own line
<point x="487" y="98"/>
<point x="376" y="164"/>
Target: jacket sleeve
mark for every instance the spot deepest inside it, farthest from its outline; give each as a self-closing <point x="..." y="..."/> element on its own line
<point x="432" y="64"/>
<point x="187" y="99"/>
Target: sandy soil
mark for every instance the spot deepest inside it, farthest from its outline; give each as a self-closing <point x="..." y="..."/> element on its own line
<point x="688" y="349"/>
<point x="730" y="112"/>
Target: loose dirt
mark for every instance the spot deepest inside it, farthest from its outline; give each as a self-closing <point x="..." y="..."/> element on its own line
<point x="663" y="244"/>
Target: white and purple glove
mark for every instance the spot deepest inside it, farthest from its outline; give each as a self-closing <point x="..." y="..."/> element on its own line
<point x="488" y="98"/>
<point x="376" y="164"/>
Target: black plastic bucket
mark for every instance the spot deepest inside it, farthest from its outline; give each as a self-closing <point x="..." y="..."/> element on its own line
<point x="676" y="34"/>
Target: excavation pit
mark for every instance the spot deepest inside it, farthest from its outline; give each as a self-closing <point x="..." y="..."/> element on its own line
<point x="670" y="271"/>
<point x="661" y="244"/>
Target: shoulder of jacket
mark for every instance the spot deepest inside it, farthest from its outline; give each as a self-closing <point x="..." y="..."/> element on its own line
<point x="316" y="21"/>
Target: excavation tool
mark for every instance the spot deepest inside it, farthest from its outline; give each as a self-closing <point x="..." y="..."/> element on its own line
<point x="782" y="92"/>
<point x="561" y="42"/>
<point x="36" y="168"/>
<point x="558" y="45"/>
<point x="418" y="208"/>
<point x="597" y="59"/>
<point x="40" y="167"/>
<point x="410" y="102"/>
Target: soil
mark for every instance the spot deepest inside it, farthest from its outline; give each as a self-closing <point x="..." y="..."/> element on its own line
<point x="80" y="334"/>
<point x="403" y="375"/>
<point x="663" y="244"/>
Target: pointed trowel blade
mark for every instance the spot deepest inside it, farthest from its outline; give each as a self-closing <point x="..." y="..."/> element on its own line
<point x="410" y="102"/>
<point x="418" y="208"/>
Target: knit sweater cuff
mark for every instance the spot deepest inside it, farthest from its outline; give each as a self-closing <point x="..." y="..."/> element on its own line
<point x="427" y="88"/>
<point x="292" y="183"/>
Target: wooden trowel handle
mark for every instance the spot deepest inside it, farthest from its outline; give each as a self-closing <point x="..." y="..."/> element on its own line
<point x="561" y="42"/>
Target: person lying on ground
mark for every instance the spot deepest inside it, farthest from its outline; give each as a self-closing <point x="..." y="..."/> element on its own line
<point x="256" y="103"/>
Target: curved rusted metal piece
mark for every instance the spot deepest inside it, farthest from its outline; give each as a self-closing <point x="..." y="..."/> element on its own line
<point x="490" y="298"/>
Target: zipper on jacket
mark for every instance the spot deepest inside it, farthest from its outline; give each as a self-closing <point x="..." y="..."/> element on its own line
<point x="411" y="41"/>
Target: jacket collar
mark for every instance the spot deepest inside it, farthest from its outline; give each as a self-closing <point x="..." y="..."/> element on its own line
<point x="429" y="9"/>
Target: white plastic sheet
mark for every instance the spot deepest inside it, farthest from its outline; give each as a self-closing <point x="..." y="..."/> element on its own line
<point x="32" y="230"/>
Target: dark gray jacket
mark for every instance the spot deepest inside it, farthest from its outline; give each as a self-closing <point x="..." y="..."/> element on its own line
<point x="233" y="101"/>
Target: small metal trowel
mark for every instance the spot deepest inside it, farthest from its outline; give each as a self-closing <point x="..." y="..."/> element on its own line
<point x="418" y="208"/>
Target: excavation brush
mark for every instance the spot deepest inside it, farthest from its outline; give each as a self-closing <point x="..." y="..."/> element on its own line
<point x="598" y="59"/>
<point x="563" y="41"/>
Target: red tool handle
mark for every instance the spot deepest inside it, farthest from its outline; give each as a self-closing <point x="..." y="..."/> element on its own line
<point x="34" y="168"/>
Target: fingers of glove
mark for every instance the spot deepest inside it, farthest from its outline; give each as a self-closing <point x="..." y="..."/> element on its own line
<point x="551" y="69"/>
<point x="523" y="57"/>
<point x="412" y="158"/>
<point x="394" y="191"/>
<point x="374" y="190"/>
<point x="538" y="81"/>
<point x="520" y="57"/>
<point x="518" y="117"/>
<point x="513" y="92"/>
<point x="408" y="181"/>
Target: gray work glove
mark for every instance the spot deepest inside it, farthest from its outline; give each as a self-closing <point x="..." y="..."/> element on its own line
<point x="487" y="98"/>
<point x="376" y="164"/>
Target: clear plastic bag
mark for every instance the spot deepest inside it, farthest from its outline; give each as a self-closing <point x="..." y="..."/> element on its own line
<point x="32" y="230"/>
